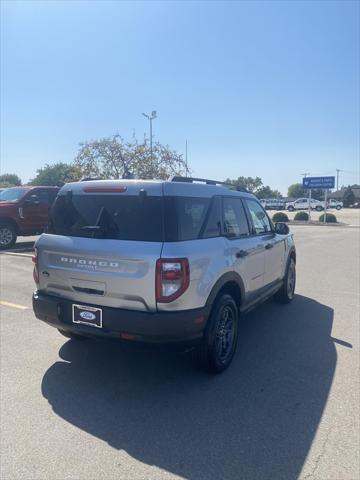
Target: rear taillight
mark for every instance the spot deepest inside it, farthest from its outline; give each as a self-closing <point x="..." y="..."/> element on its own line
<point x="172" y="278"/>
<point x="34" y="259"/>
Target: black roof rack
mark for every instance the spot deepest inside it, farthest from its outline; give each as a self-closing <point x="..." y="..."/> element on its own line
<point x="208" y="182"/>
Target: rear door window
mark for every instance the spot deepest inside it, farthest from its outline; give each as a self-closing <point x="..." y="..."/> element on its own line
<point x="42" y="196"/>
<point x="235" y="222"/>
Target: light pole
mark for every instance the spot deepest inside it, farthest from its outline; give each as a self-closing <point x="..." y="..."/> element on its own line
<point x="337" y="178"/>
<point x="151" y="118"/>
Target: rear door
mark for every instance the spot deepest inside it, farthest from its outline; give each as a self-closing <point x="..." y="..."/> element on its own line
<point x="103" y="245"/>
<point x="245" y="253"/>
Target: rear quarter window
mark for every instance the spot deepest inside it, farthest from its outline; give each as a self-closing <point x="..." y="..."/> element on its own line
<point x="185" y="217"/>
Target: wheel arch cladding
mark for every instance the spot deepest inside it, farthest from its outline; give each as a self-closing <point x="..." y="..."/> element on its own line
<point x="9" y="221"/>
<point x="230" y="283"/>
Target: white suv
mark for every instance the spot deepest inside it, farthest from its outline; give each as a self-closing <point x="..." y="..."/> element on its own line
<point x="160" y="261"/>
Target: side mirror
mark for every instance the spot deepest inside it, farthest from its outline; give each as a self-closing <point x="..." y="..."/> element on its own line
<point x="281" y="228"/>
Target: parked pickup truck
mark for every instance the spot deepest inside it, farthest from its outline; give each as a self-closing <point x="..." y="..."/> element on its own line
<point x="24" y="211"/>
<point x="335" y="204"/>
<point x="303" y="204"/>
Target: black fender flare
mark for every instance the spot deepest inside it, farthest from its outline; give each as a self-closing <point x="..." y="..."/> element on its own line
<point x="10" y="221"/>
<point x="223" y="280"/>
<point x="292" y="253"/>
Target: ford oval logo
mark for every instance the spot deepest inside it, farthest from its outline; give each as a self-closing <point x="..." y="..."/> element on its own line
<point x="87" y="316"/>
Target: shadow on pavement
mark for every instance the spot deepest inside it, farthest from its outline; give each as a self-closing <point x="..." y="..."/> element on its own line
<point x="255" y="421"/>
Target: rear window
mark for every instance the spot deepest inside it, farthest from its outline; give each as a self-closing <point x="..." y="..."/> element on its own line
<point x="141" y="217"/>
<point x="108" y="216"/>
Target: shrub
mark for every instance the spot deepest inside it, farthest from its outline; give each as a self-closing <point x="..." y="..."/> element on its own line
<point x="280" y="217"/>
<point x="301" y="216"/>
<point x="330" y="218"/>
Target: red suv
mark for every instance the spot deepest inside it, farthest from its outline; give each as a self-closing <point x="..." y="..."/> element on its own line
<point x="24" y="211"/>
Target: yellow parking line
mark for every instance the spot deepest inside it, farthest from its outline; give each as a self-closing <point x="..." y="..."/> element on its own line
<point x="13" y="305"/>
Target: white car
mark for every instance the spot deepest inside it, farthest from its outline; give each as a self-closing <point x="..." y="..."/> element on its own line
<point x="303" y="204"/>
<point x="335" y="204"/>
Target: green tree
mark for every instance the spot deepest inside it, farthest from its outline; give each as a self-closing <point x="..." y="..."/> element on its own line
<point x="9" y="180"/>
<point x="317" y="194"/>
<point x="250" y="183"/>
<point x="349" y="197"/>
<point x="116" y="158"/>
<point x="266" y="192"/>
<point x="296" y="190"/>
<point x="56" y="175"/>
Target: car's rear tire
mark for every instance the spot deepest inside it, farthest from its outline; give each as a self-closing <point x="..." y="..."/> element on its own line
<point x="72" y="335"/>
<point x="7" y="236"/>
<point x="286" y="292"/>
<point x="218" y="345"/>
<point x="338" y="207"/>
<point x="319" y="209"/>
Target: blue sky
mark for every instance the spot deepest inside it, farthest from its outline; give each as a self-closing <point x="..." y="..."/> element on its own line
<point x="258" y="88"/>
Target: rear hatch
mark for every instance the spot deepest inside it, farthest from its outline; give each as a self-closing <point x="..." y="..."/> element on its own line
<point x="103" y="242"/>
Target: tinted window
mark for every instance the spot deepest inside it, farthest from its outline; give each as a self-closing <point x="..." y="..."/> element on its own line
<point x="259" y="218"/>
<point x="213" y="221"/>
<point x="108" y="216"/>
<point x="185" y="217"/>
<point x="41" y="196"/>
<point x="12" y="194"/>
<point x="52" y="195"/>
<point x="235" y="223"/>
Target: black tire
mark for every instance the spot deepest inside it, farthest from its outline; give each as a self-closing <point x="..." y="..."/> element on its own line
<point x="72" y="335"/>
<point x="7" y="236"/>
<point x="219" y="343"/>
<point x="291" y="208"/>
<point x="286" y="292"/>
<point x="338" y="207"/>
<point x="319" y="209"/>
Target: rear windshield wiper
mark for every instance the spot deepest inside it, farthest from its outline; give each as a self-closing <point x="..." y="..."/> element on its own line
<point x="92" y="228"/>
<point x="104" y="225"/>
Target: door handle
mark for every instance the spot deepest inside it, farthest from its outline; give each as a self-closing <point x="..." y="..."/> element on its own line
<point x="241" y="254"/>
<point x="268" y="246"/>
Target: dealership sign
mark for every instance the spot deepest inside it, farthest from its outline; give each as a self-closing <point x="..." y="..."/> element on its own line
<point x="321" y="183"/>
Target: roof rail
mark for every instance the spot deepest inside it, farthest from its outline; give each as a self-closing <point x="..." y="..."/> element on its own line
<point x="177" y="178"/>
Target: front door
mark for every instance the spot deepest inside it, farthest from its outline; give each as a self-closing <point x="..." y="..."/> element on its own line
<point x="34" y="211"/>
<point x="273" y="244"/>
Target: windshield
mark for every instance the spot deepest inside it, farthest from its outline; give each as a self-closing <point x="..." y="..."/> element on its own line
<point x="12" y="194"/>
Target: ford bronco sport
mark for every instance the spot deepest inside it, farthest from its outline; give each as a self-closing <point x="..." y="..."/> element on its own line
<point x="160" y="261"/>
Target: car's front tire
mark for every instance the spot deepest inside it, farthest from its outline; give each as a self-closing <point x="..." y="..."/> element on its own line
<point x="291" y="208"/>
<point x="7" y="236"/>
<point x="319" y="209"/>
<point x="218" y="345"/>
<point x="338" y="207"/>
<point x="286" y="292"/>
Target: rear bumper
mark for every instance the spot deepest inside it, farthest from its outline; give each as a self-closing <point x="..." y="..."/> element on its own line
<point x="154" y="327"/>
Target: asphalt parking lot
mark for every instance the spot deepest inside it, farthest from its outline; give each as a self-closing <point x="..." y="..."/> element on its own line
<point x="287" y="408"/>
